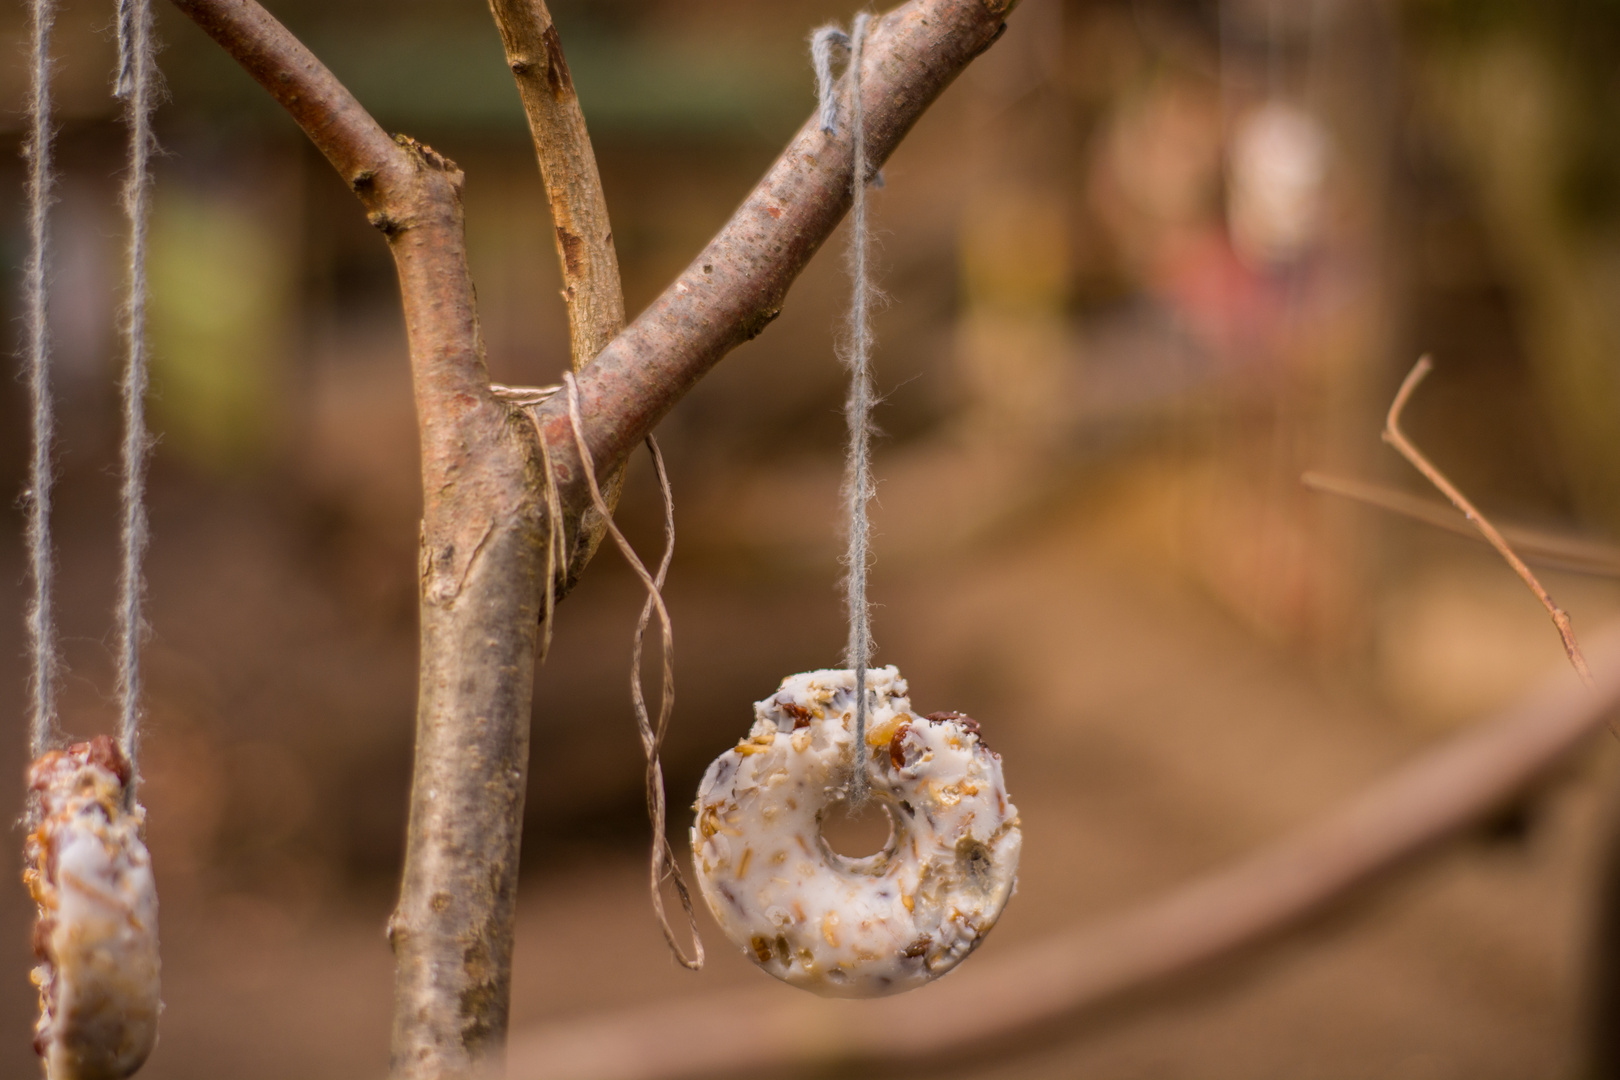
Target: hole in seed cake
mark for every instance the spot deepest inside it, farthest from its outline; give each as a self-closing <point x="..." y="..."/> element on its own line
<point x="857" y="834"/>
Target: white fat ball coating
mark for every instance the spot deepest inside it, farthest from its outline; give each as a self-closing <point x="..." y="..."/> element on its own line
<point x="848" y="927"/>
<point x="97" y="931"/>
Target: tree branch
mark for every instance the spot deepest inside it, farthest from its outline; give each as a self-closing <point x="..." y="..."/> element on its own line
<point x="590" y="265"/>
<point x="736" y="285"/>
<point x="481" y="570"/>
<point x="1254" y="901"/>
<point x="335" y="121"/>
<point x="585" y="254"/>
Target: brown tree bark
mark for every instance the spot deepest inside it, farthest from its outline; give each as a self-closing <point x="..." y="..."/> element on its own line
<point x="589" y="263"/>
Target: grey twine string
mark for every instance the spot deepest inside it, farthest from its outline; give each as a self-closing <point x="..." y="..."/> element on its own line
<point x="858" y="486"/>
<point x="136" y="88"/>
<point x="44" y="659"/>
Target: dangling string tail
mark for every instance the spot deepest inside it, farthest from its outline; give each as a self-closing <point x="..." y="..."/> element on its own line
<point x="135" y="87"/>
<point x="858" y="486"/>
<point x="44" y="660"/>
<point x="663" y="864"/>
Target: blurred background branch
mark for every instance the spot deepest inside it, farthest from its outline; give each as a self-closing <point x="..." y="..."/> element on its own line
<point x="1539" y="548"/>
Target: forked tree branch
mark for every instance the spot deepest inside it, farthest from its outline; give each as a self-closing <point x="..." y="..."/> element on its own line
<point x="1112" y="963"/>
<point x="483" y="529"/>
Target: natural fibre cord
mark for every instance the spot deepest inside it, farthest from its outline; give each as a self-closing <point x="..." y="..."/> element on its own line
<point x="664" y="865"/>
<point x="44" y="659"/>
<point x="857" y="355"/>
<point x="136" y="87"/>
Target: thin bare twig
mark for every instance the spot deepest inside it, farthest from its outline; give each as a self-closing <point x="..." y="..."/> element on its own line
<point x="1550" y="551"/>
<point x="1396" y="438"/>
<point x="1116" y="961"/>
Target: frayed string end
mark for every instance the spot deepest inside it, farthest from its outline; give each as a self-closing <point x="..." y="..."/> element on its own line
<point x="824" y="43"/>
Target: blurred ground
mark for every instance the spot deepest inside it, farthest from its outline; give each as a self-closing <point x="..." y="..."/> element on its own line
<point x="1146" y="737"/>
<point x="1147" y="263"/>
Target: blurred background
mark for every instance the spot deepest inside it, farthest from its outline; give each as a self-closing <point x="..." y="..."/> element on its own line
<point x="1147" y="262"/>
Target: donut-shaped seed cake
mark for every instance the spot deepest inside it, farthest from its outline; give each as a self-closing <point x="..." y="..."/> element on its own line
<point x="855" y="927"/>
<point x="96" y="935"/>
